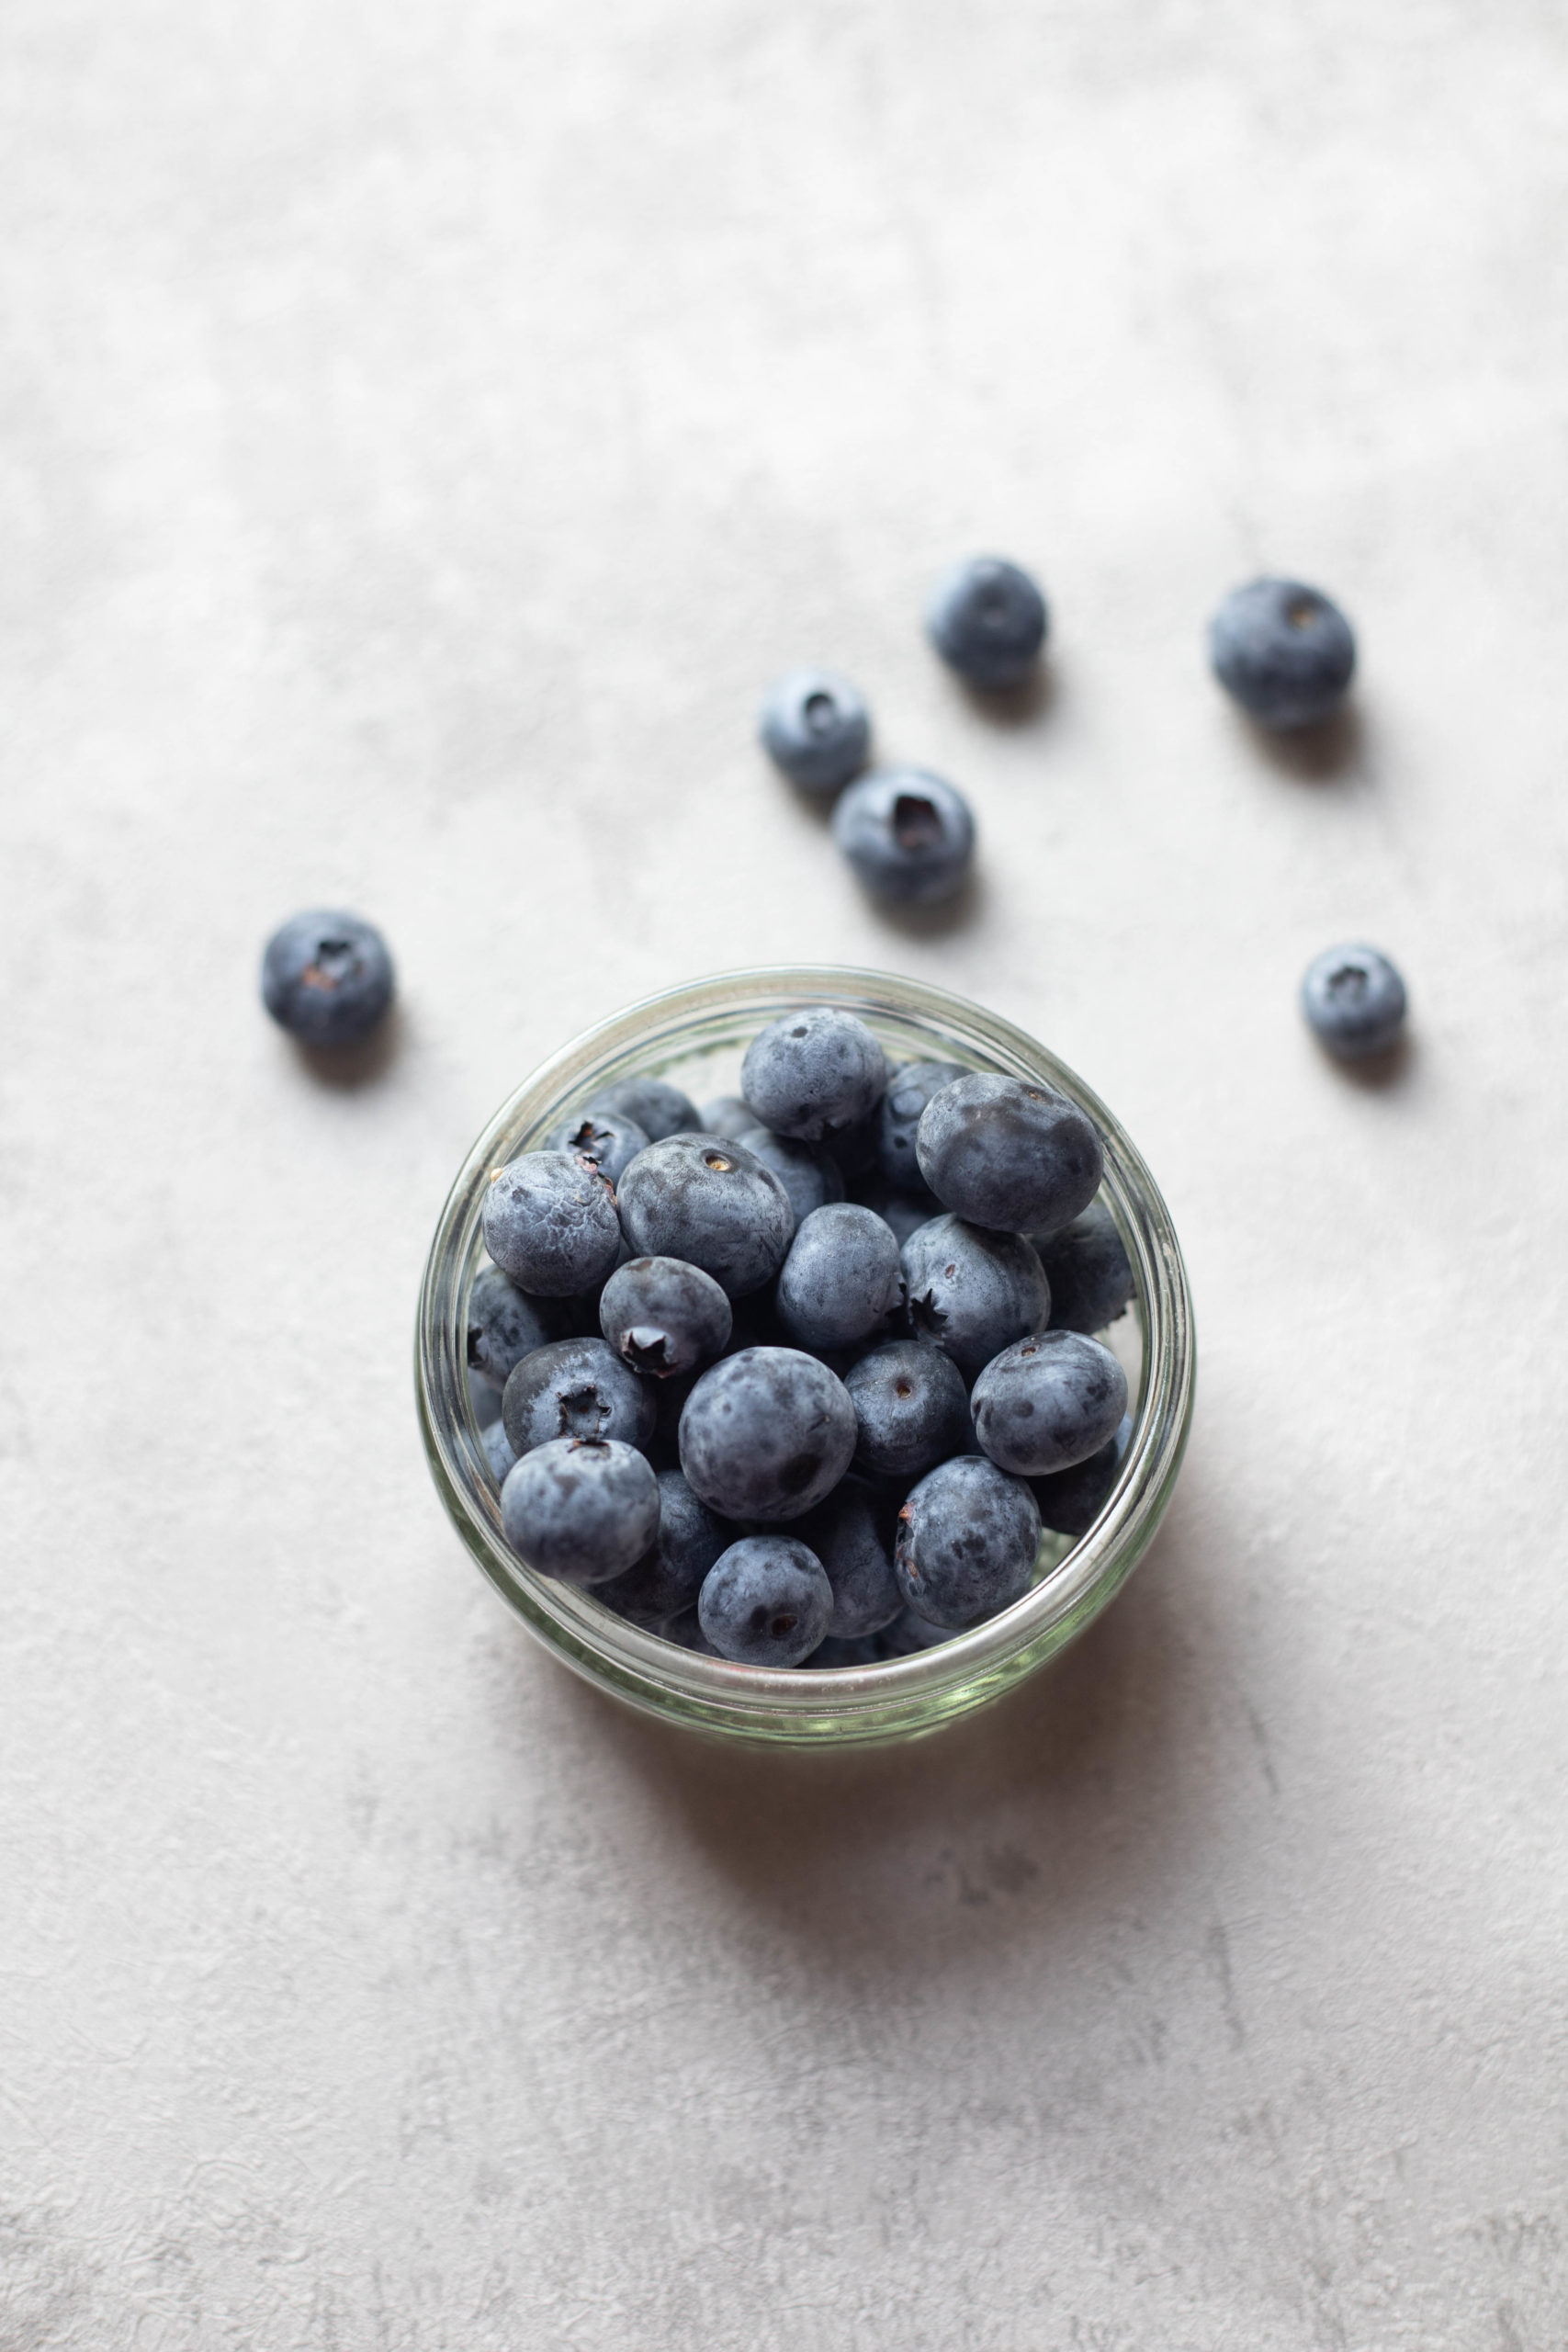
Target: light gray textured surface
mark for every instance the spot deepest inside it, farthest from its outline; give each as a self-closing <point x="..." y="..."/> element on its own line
<point x="426" y="429"/>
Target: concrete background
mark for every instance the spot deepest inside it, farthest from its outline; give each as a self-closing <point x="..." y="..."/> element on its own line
<point x="426" y="429"/>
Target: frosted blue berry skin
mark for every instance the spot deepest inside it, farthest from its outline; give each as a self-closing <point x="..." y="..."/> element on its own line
<point x="903" y="1212"/>
<point x="1284" y="651"/>
<point x="815" y="728"/>
<point x="765" y="1602"/>
<point x="899" y="1115"/>
<point x="579" y="1510"/>
<point x="911" y="1411"/>
<point x="666" y="1580"/>
<point x="808" y="1173"/>
<point x="968" y="1535"/>
<point x="1355" y="1002"/>
<point x="836" y="1651"/>
<point x="577" y="1388"/>
<point x="813" y="1073"/>
<point x="1003" y="1153"/>
<point x="852" y="1533"/>
<point x="550" y="1222"/>
<point x="503" y="1327"/>
<point x="766" y="1434"/>
<point x="971" y="1292"/>
<point x="706" y="1201"/>
<point x="663" y="1316"/>
<point x="841" y="1280"/>
<point x="1071" y="1500"/>
<point x="499" y="1450"/>
<point x="1088" y="1268"/>
<point x="908" y="1636"/>
<point x="727" y="1114"/>
<point x="988" y="620"/>
<point x="1047" y="1402"/>
<point x="605" y="1138"/>
<point x="652" y="1103"/>
<point x="909" y="836"/>
<point x="326" y="977"/>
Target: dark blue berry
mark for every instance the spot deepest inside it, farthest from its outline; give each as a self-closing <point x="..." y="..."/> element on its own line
<point x="766" y="1433"/>
<point x="905" y="1212"/>
<point x="911" y="1409"/>
<point x="1048" y="1401"/>
<point x="967" y="1540"/>
<point x="899" y="1118"/>
<point x="1353" y="1000"/>
<point x="550" y="1222"/>
<point x="1006" y="1153"/>
<point x="1283" y="651"/>
<point x="606" y="1138"/>
<point x="499" y="1450"/>
<point x="1086" y="1266"/>
<point x="685" y="1631"/>
<point x="765" y="1602"/>
<point x="816" y="726"/>
<point x="326" y="977"/>
<point x="835" y="1651"/>
<point x="667" y="1579"/>
<point x="908" y="1636"/>
<point x="908" y="835"/>
<point x="842" y="1278"/>
<point x="813" y="1072"/>
<point x="727" y="1115"/>
<point x="652" y="1103"/>
<point x="1071" y="1500"/>
<point x="806" y="1171"/>
<point x="503" y="1326"/>
<point x="987" y="620"/>
<point x="662" y="1316"/>
<point x="852" y="1533"/>
<point x="705" y="1200"/>
<point x="580" y="1509"/>
<point x="972" y="1293"/>
<point x="576" y="1388"/>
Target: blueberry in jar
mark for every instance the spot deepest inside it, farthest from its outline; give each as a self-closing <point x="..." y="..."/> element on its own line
<point x="968" y="1535"/>
<point x="808" y="1174"/>
<point x="580" y="1509"/>
<point x="652" y="1103"/>
<point x="1353" y="1000"/>
<point x="498" y="1448"/>
<point x="1071" y="1500"/>
<point x="706" y="1201"/>
<point x="606" y="1139"/>
<point x="972" y="1292"/>
<point x="576" y="1388"/>
<point x="1086" y="1266"/>
<point x="766" y="1434"/>
<point x="666" y="1580"/>
<point x="663" y="1316"/>
<point x="550" y="1222"/>
<point x="765" y="1602"/>
<point x="898" y="1114"/>
<point x="503" y="1326"/>
<point x="1283" y="651"/>
<point x="1006" y="1153"/>
<point x="911" y="1411"/>
<point x="903" y="1212"/>
<point x="1047" y="1402"/>
<point x="815" y="728"/>
<point x="987" y="619"/>
<point x="842" y="1278"/>
<point x="909" y="836"/>
<point x="813" y="1073"/>
<point x="326" y="977"/>
<point x="727" y="1114"/>
<point x="852" y="1534"/>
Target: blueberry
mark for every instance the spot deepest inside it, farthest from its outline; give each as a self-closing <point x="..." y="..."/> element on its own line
<point x="905" y="1212"/>
<point x="766" y="1433"/>
<point x="972" y="1293"/>
<point x="1087" y="1267"/>
<point x="727" y="1114"/>
<point x="685" y="1631"/>
<point x="765" y="1602"/>
<point x="1006" y="1153"/>
<point x="842" y="1278"/>
<point x="813" y="1072"/>
<point x="576" y="1388"/>
<point x="1071" y="1500"/>
<point x="899" y="1118"/>
<point x="987" y="620"/>
<point x="835" y="1650"/>
<point x="662" y="1317"/>
<point x="1048" y="1401"/>
<point x="909" y="1634"/>
<point x="580" y="1508"/>
<point x="816" y="726"/>
<point x="967" y="1539"/>
<point x="1355" y="1002"/>
<point x="908" y="835"/>
<point x="550" y="1222"/>
<point x="806" y="1171"/>
<point x="667" y="1579"/>
<point x="503" y="1326"/>
<point x="326" y="977"/>
<point x="1283" y="651"/>
<point x="911" y="1409"/>
<point x="499" y="1450"/>
<point x="652" y="1103"/>
<point x="852" y="1534"/>
<point x="707" y="1201"/>
<point x="606" y="1138"/>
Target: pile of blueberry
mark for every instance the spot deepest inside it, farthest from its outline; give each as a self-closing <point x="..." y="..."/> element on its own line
<point x="799" y="1378"/>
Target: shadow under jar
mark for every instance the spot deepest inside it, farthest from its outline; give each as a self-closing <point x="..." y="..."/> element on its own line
<point x="697" y="1036"/>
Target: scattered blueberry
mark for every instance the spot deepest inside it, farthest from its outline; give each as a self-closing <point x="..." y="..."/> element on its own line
<point x="499" y="1450"/>
<point x="605" y="1138"/>
<point x="908" y="835"/>
<point x="1071" y="1500"/>
<point x="911" y="1409"/>
<point x="667" y="1579"/>
<point x="852" y="1534"/>
<point x="842" y="1278"/>
<point x="1048" y="1401"/>
<point x="503" y="1326"/>
<point x="652" y="1103"/>
<point x="968" y="1535"/>
<point x="899" y="1115"/>
<point x="765" y="1602"/>
<point x="581" y="1509"/>
<point x="662" y="1316"/>
<point x="326" y="977"/>
<point x="576" y="1388"/>
<point x="813" y="1072"/>
<point x="1000" y="1152"/>
<point x="707" y="1201"/>
<point x="766" y="1433"/>
<point x="1355" y="1002"/>
<point x="1086" y="1266"/>
<point x="1283" y="651"/>
<point x="987" y="620"/>
<point x="550" y="1222"/>
<point x="971" y="1292"/>
<point x="814" y="726"/>
<point x="805" y="1170"/>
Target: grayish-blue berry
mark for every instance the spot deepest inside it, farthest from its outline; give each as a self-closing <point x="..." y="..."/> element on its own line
<point x="852" y="1533"/>
<point x="1006" y="1153"/>
<point x="903" y="1212"/>
<point x="1071" y="1500"/>
<point x="807" y="1172"/>
<point x="765" y="1602"/>
<point x="835" y="1652"/>
<point x="1353" y="1000"/>
<point x="606" y="1138"/>
<point x="705" y="1200"/>
<point x="911" y="1409"/>
<point x="652" y="1103"/>
<point x="899" y="1118"/>
<point x="503" y="1326"/>
<point x="1283" y="651"/>
<point x="1048" y="1401"/>
<point x="576" y="1388"/>
<point x="667" y="1579"/>
<point x="987" y="619"/>
<point x="662" y="1316"/>
<point x="908" y="1636"/>
<point x="550" y="1222"/>
<point x="766" y="1433"/>
<point x="908" y="835"/>
<point x="580" y="1509"/>
<point x="842" y="1278"/>
<point x="1088" y="1270"/>
<point x="326" y="977"/>
<point x="813" y="1072"/>
<point x="972" y="1293"/>
<point x="500" y="1451"/>
<point x="816" y="726"/>
<point x="727" y="1114"/>
<point x="968" y="1535"/>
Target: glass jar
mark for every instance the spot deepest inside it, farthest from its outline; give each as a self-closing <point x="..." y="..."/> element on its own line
<point x="695" y="1036"/>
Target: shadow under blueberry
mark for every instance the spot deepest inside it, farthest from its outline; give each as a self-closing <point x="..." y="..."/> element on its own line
<point x="1032" y="699"/>
<point x="1324" y="753"/>
<point x="965" y="906"/>
<point x="1391" y="1071"/>
<point x="346" y="1067"/>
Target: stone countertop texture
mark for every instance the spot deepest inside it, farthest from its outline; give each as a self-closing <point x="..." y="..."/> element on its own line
<point x="424" y="432"/>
